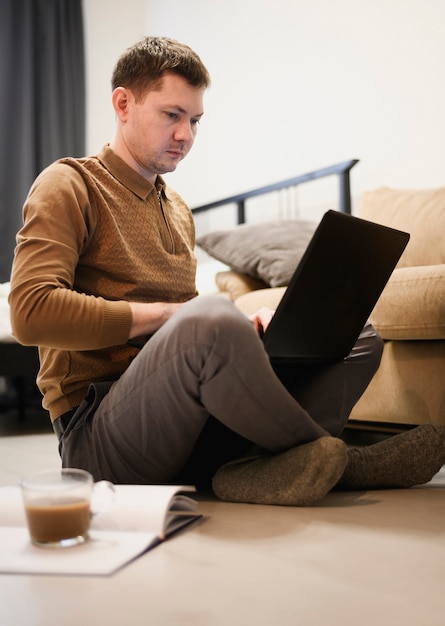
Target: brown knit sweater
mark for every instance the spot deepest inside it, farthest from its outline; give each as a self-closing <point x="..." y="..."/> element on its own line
<point x="96" y="235"/>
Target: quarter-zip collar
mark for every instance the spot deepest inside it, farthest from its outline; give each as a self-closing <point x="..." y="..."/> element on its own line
<point x="160" y="191"/>
<point x="128" y="176"/>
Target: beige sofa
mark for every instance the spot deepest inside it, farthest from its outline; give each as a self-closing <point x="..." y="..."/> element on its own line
<point x="409" y="387"/>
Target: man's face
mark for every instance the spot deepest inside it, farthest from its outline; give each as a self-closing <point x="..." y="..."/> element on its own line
<point x="159" y="131"/>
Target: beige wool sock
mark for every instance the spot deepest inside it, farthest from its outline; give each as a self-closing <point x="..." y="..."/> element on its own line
<point x="411" y="458"/>
<point x="296" y="477"/>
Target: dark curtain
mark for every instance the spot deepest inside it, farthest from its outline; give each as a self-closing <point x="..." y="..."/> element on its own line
<point x="42" y="105"/>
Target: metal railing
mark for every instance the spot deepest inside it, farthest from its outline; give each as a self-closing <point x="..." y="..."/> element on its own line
<point x="340" y="169"/>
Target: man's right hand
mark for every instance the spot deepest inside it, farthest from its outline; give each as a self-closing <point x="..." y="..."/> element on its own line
<point x="148" y="317"/>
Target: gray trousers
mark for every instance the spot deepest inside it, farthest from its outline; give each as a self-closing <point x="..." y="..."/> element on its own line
<point x="201" y="392"/>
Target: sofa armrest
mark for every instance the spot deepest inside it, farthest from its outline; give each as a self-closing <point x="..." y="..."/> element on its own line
<point x="412" y="305"/>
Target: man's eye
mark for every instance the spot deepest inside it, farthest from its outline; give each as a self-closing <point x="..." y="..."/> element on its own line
<point x="195" y="122"/>
<point x="171" y="115"/>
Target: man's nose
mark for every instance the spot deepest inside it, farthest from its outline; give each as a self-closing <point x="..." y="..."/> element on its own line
<point x="184" y="132"/>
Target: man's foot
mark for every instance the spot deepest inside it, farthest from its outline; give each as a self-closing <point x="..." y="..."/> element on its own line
<point x="411" y="458"/>
<point x="297" y="477"/>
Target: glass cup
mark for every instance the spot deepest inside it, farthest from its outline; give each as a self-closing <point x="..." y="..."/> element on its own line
<point x="58" y="505"/>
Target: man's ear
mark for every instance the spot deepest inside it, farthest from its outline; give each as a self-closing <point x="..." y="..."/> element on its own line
<point x="120" y="99"/>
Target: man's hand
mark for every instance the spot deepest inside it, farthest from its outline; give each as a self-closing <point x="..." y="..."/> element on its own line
<point x="149" y="317"/>
<point x="261" y="319"/>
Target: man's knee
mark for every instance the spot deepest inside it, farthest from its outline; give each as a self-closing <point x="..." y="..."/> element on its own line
<point x="215" y="314"/>
<point x="214" y="325"/>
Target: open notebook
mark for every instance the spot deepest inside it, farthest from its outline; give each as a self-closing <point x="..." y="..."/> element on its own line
<point x="140" y="518"/>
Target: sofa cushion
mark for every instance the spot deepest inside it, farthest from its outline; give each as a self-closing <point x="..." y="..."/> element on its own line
<point x="267" y="251"/>
<point x="420" y="212"/>
<point x="236" y="284"/>
<point x="251" y="302"/>
<point x="412" y="305"/>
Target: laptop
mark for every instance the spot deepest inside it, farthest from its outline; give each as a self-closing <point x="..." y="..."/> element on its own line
<point x="333" y="290"/>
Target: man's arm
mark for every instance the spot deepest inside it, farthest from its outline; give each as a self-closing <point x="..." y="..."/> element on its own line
<point x="45" y="308"/>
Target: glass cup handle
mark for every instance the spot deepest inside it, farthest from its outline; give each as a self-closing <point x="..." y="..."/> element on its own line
<point x="102" y="497"/>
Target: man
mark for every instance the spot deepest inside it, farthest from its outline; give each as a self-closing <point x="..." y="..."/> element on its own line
<point x="104" y="265"/>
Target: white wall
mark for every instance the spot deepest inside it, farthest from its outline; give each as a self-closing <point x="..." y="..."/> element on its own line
<point x="110" y="27"/>
<point x="296" y="85"/>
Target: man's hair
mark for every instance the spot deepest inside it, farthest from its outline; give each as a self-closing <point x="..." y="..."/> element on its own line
<point x="141" y="67"/>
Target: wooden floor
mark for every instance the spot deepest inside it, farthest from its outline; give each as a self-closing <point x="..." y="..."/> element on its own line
<point x="373" y="558"/>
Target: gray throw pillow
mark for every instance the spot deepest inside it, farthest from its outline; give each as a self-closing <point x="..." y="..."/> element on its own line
<point x="268" y="251"/>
